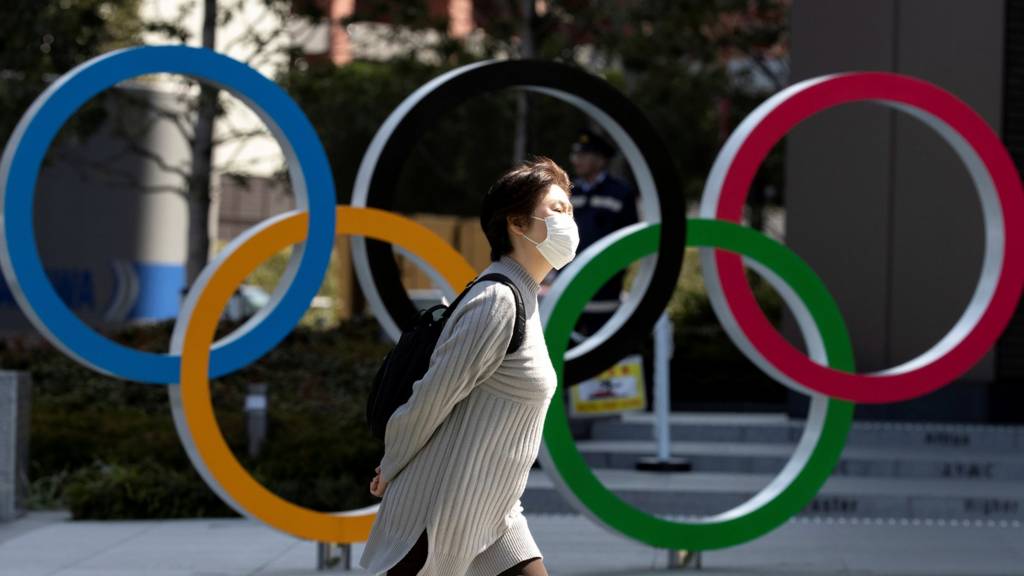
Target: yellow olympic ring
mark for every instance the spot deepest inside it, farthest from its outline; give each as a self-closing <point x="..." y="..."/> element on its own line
<point x="223" y="468"/>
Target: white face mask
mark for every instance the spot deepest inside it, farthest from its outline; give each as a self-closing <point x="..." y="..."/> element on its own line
<point x="559" y="248"/>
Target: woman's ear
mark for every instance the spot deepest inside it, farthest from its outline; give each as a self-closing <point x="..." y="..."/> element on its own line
<point x="516" y="227"/>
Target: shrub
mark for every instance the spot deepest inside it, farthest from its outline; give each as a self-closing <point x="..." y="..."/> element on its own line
<point x="108" y="448"/>
<point x="145" y="489"/>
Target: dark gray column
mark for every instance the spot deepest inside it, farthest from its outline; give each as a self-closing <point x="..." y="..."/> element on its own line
<point x="876" y="202"/>
<point x="839" y="166"/>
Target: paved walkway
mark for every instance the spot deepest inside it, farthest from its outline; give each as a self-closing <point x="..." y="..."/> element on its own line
<point x="48" y="544"/>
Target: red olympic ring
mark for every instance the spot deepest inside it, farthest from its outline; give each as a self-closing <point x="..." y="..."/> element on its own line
<point x="1002" y="197"/>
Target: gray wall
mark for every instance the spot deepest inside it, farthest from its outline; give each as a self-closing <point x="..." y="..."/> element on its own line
<point x="876" y="203"/>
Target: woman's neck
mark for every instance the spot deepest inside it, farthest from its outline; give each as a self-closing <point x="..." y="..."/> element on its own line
<point x="536" y="266"/>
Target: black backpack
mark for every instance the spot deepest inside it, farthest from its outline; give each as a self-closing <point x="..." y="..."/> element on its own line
<point x="408" y="361"/>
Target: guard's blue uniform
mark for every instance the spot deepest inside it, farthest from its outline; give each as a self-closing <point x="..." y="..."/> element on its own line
<point x="605" y="207"/>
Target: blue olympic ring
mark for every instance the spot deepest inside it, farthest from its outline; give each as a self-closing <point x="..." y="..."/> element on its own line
<point x="312" y="183"/>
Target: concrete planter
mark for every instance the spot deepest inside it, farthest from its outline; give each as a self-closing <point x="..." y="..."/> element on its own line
<point x="15" y="412"/>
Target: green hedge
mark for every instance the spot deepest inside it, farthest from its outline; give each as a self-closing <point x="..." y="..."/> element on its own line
<point x="108" y="449"/>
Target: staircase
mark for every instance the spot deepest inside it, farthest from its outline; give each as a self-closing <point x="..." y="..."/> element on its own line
<point x="888" y="470"/>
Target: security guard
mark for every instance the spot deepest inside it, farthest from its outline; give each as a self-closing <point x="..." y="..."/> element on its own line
<point x="602" y="204"/>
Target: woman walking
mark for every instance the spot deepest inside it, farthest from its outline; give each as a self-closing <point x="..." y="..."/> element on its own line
<point x="458" y="453"/>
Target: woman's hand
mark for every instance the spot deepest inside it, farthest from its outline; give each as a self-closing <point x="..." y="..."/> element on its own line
<point x="377" y="485"/>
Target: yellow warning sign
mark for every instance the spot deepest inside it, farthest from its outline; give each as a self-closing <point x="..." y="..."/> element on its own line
<point x="620" y="388"/>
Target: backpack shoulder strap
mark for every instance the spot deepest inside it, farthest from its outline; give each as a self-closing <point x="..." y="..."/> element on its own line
<point x="519" y="330"/>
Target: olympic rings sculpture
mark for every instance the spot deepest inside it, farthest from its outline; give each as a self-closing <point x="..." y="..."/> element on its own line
<point x="826" y="373"/>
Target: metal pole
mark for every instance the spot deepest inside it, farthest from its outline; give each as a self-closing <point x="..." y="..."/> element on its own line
<point x="256" y="416"/>
<point x="663" y="348"/>
<point x="334" y="557"/>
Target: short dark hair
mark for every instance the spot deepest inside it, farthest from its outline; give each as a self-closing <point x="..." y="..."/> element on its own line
<point x="516" y="194"/>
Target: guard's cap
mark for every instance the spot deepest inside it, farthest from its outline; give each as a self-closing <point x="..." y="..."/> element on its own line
<point x="588" y="141"/>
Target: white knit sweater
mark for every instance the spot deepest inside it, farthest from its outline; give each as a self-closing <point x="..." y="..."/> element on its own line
<point x="459" y="451"/>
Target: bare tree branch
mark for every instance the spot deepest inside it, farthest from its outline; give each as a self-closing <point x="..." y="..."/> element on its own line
<point x="101" y="172"/>
<point x="177" y="118"/>
<point x="239" y="135"/>
<point x="250" y="30"/>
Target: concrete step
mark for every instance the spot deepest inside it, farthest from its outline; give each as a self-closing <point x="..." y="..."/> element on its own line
<point x="748" y="458"/>
<point x="708" y="493"/>
<point x="774" y="428"/>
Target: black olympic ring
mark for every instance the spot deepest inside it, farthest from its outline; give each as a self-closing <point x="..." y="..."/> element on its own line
<point x="643" y="149"/>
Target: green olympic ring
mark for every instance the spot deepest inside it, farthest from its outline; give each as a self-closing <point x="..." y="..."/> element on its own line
<point x="828" y="420"/>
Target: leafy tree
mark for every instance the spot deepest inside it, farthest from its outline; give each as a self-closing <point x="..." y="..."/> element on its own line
<point x="41" y="39"/>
